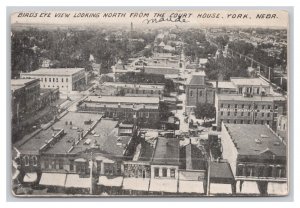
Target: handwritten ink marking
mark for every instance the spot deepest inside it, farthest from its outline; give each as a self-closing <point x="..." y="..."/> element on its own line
<point x="168" y="19"/>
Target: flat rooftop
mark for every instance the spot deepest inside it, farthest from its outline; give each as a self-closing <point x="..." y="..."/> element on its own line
<point x="142" y="86"/>
<point x="166" y="151"/>
<point x="21" y="82"/>
<point x="72" y="132"/>
<point x="224" y="85"/>
<point x="248" y="81"/>
<point x="105" y="137"/>
<point x="123" y="99"/>
<point x="55" y="71"/>
<point x="256" y="98"/>
<point x="254" y="139"/>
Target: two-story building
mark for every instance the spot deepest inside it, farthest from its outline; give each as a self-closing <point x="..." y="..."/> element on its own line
<point x="144" y="110"/>
<point x="65" y="79"/>
<point x="257" y="157"/>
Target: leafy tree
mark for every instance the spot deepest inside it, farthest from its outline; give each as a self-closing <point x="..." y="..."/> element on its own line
<point x="205" y="111"/>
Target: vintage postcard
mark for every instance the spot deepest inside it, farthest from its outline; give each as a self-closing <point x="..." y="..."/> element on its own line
<point x="158" y="102"/>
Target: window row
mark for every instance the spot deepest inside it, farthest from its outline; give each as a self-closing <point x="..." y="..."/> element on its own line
<point x="235" y="121"/>
<point x="235" y="113"/>
<point x="164" y="172"/>
<point x="53" y="79"/>
<point x="192" y="93"/>
<point x="248" y="106"/>
<point x="275" y="171"/>
<point x="30" y="160"/>
<point x="142" y="91"/>
<point x="53" y="86"/>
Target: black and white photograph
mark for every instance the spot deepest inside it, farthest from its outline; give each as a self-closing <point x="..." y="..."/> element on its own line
<point x="133" y="102"/>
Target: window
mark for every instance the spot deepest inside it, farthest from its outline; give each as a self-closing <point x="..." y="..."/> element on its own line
<point x="249" y="121"/>
<point x="60" y="164"/>
<point x="26" y="161"/>
<point x="268" y="114"/>
<point x="228" y="113"/>
<point x="269" y="107"/>
<point x="242" y="113"/>
<point x="243" y="105"/>
<point x="263" y="107"/>
<point x="72" y="165"/>
<point x="45" y="79"/>
<point x="156" y="172"/>
<point x="164" y="172"/>
<point x="66" y="79"/>
<point x="234" y="121"/>
<point x="147" y="115"/>
<point x="235" y="106"/>
<point x="228" y="105"/>
<point x="249" y="170"/>
<point x="191" y="93"/>
<point x="200" y="93"/>
<point x="151" y="91"/>
<point x="221" y="113"/>
<point x="262" y="114"/>
<point x="276" y="107"/>
<point x="46" y="163"/>
<point x="248" y="113"/>
<point x="53" y="79"/>
<point x="241" y="171"/>
<point x="56" y="79"/>
<point x="62" y="79"/>
<point x="235" y="113"/>
<point x="34" y="160"/>
<point x="249" y="106"/>
<point x="172" y="173"/>
<point x="242" y="122"/>
<point x="255" y="114"/>
<point x="222" y="105"/>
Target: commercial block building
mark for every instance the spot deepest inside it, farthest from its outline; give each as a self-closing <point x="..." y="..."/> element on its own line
<point x="257" y="157"/>
<point x="65" y="153"/>
<point x="145" y="110"/>
<point x="25" y="96"/>
<point x="65" y="79"/>
<point x="252" y="103"/>
<point x="144" y="90"/>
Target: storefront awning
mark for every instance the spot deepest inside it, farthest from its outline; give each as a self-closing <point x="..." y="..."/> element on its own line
<point x="275" y="188"/>
<point x="53" y="179"/>
<point x="219" y="188"/>
<point x="138" y="184"/>
<point x="191" y="187"/>
<point x="163" y="185"/>
<point x="80" y="160"/>
<point x="110" y="181"/>
<point x="103" y="159"/>
<point x="248" y="187"/>
<point x="74" y="181"/>
<point x="30" y="177"/>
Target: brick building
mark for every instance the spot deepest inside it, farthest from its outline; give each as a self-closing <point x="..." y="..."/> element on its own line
<point x="65" y="79"/>
<point x="146" y="110"/>
<point x="257" y="157"/>
<point x="198" y="91"/>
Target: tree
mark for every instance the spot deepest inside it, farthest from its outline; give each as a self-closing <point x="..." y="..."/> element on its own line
<point x="205" y="111"/>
